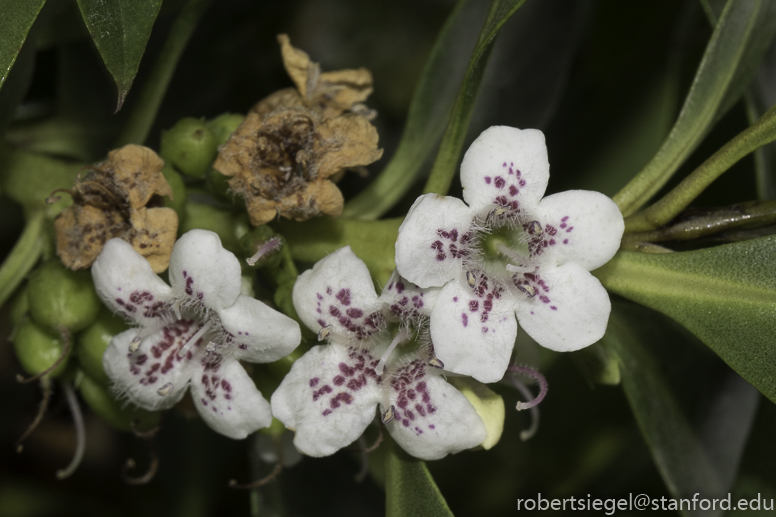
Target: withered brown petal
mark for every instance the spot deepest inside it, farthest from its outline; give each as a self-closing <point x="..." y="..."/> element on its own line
<point x="320" y="197"/>
<point x="82" y="231"/>
<point x="137" y="170"/>
<point x="343" y="142"/>
<point x="153" y="235"/>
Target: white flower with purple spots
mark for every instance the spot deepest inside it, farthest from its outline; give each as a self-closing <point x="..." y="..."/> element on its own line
<point x="193" y="334"/>
<point x="509" y="253"/>
<point x="378" y="354"/>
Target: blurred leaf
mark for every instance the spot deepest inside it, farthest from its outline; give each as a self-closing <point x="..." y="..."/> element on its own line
<point x="372" y="241"/>
<point x="761" y="96"/>
<point x="410" y="490"/>
<point x="694" y="412"/>
<point x="15" y="87"/>
<point x="728" y="63"/>
<point x="120" y="29"/>
<point x="725" y="295"/>
<point x="446" y="162"/>
<point x="429" y="111"/>
<point x="15" y="22"/>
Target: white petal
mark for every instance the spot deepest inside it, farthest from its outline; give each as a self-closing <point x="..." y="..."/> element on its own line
<point x="153" y="376"/>
<point x="581" y="226"/>
<point x="257" y="333"/>
<point x="474" y="330"/>
<point x="227" y="398"/>
<point x="431" y="418"/>
<point x="504" y="165"/>
<point x="126" y="283"/>
<point x="328" y="398"/>
<point x="433" y="240"/>
<point x="404" y="299"/>
<point x="338" y="291"/>
<point x="570" y="310"/>
<point x="202" y="270"/>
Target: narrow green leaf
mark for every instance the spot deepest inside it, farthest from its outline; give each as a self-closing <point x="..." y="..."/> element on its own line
<point x="758" y="134"/>
<point x="724" y="295"/>
<point x="446" y="163"/>
<point x="15" y="22"/>
<point x="429" y="110"/>
<point x="410" y="490"/>
<point x="724" y="55"/>
<point x="694" y="412"/>
<point x="120" y="29"/>
<point x="144" y="111"/>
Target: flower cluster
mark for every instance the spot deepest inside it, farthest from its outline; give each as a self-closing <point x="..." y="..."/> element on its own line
<point x="467" y="273"/>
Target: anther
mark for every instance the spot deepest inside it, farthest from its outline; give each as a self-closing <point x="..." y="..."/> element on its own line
<point x="471" y="279"/>
<point x="325" y="331"/>
<point x="135" y="344"/>
<point x="535" y="228"/>
<point x="528" y="289"/>
<point x="210" y="348"/>
<point x="388" y="414"/>
<point x="435" y="363"/>
<point x="496" y="212"/>
<point x="165" y="390"/>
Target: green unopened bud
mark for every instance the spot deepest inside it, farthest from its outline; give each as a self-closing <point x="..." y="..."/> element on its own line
<point x="218" y="184"/>
<point x="224" y="125"/>
<point x="208" y="217"/>
<point x="37" y="349"/>
<point x="61" y="298"/>
<point x="275" y="429"/>
<point x="121" y="416"/>
<point x="189" y="146"/>
<point x="93" y="341"/>
<point x="20" y="306"/>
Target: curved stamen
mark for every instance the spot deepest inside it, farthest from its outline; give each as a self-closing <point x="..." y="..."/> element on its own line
<point x="361" y="476"/>
<point x="271" y="246"/>
<point x="266" y="479"/>
<point x="45" y="384"/>
<point x="401" y="336"/>
<point x="80" y="432"/>
<point x="532" y="405"/>
<point x="144" y="478"/>
<point x="193" y="339"/>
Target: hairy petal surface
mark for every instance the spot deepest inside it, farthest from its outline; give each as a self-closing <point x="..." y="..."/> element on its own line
<point x="126" y="283"/>
<point x="504" y="166"/>
<point x="433" y="240"/>
<point x="403" y="299"/>
<point x="586" y="227"/>
<point x="431" y="418"/>
<point x="226" y="397"/>
<point x="329" y="397"/>
<point x="154" y="376"/>
<point x="258" y="333"/>
<point x="474" y="330"/>
<point x="569" y="312"/>
<point x="338" y="291"/>
<point x="202" y="270"/>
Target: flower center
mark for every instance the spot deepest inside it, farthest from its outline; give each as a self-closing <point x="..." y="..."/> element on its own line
<point x="506" y="250"/>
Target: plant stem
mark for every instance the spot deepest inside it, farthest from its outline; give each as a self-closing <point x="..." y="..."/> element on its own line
<point x="23" y="256"/>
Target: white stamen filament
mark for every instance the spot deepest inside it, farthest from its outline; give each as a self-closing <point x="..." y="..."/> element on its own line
<point x="176" y="308"/>
<point x="512" y="255"/>
<point x="401" y="337"/>
<point x="201" y="332"/>
<point x="518" y="269"/>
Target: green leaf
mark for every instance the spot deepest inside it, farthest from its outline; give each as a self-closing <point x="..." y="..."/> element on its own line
<point x="694" y="412"/>
<point x="372" y="241"/>
<point x="410" y="490"/>
<point x="446" y="162"/>
<point x="717" y="75"/>
<point x="725" y="295"/>
<point x="120" y="29"/>
<point x="429" y="110"/>
<point x="15" y="22"/>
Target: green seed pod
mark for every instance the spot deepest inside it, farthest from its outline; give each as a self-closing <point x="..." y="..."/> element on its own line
<point x="20" y="306"/>
<point x="224" y="125"/>
<point x="37" y="349"/>
<point x="178" y="201"/>
<point x="119" y="415"/>
<point x="208" y="217"/>
<point x="61" y="298"/>
<point x="189" y="146"/>
<point x="218" y="184"/>
<point x="275" y="429"/>
<point x="93" y="341"/>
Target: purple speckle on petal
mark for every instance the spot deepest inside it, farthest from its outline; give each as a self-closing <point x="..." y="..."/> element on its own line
<point x="487" y="180"/>
<point x="465" y="319"/>
<point x="553" y="307"/>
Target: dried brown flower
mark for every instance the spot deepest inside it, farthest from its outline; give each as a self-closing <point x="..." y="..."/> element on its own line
<point x="120" y="197"/>
<point x="291" y="143"/>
